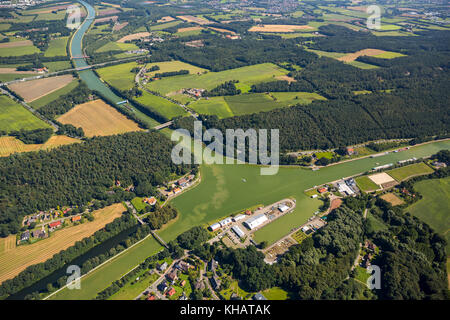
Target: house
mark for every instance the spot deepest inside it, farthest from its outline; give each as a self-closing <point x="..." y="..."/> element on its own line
<point x="171" y="292"/>
<point x="259" y="296"/>
<point x="182" y="182"/>
<point x="199" y="285"/>
<point x="249" y="212"/>
<point x="38" y="233"/>
<point x="162" y="286"/>
<point x="215" y="282"/>
<point x="350" y="151"/>
<point x="76" y="218"/>
<point x="183" y="283"/>
<point x="183" y="297"/>
<point x="234" y="296"/>
<point x="322" y="190"/>
<point x="25" y="236"/>
<point x="183" y="266"/>
<point x="151" y="297"/>
<point x="161" y="267"/>
<point x="55" y="224"/>
<point x="172" y="275"/>
<point x="176" y="190"/>
<point x="151" y="201"/>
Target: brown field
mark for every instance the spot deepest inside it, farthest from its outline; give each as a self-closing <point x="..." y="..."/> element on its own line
<point x="14" y="261"/>
<point x="54" y="8"/>
<point x="113" y="18"/>
<point x="9" y="145"/>
<point x="21" y="43"/>
<point x="14" y="71"/>
<point x="358" y="8"/>
<point x="336" y="203"/>
<point x="98" y="119"/>
<point x="165" y="19"/>
<point x="222" y="30"/>
<point x="110" y="4"/>
<point x="134" y="36"/>
<point x="286" y="78"/>
<point x="189" y="29"/>
<point x="278" y="28"/>
<point x="366" y="52"/>
<point x="381" y="178"/>
<point x="392" y="199"/>
<point x="107" y="12"/>
<point x="7" y="244"/>
<point x="194" y="19"/>
<point x="120" y="26"/>
<point x="35" y="89"/>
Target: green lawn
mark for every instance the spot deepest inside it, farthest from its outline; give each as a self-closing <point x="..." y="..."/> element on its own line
<point x="138" y="204"/>
<point x="276" y="293"/>
<point x="132" y="289"/>
<point x="377" y="224"/>
<point x="54" y="95"/>
<point x="14" y="116"/>
<point x="328" y="155"/>
<point x="434" y="207"/>
<point x="361" y="274"/>
<point x="411" y="170"/>
<point x="161" y="105"/>
<point x="247" y="75"/>
<point x="365" y="184"/>
<point x="57" y="47"/>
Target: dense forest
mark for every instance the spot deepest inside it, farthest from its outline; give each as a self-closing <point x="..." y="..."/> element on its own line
<point x="75" y="174"/>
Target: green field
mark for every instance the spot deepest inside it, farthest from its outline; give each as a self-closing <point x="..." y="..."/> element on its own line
<point x="131" y="291"/>
<point x="247" y="75"/>
<point x="434" y="207"/>
<point x="18" y="51"/>
<point x="328" y="155"/>
<point x="119" y="76"/>
<point x="14" y="116"/>
<point x="102" y="277"/>
<point x="53" y="95"/>
<point x="169" y="66"/>
<point x="276" y="293"/>
<point x="5" y="77"/>
<point x="411" y="170"/>
<point x="117" y="46"/>
<point x="389" y="55"/>
<point x="57" y="65"/>
<point x="161" y="105"/>
<point x="365" y="184"/>
<point x="214" y="105"/>
<point x="57" y="47"/>
<point x="165" y="25"/>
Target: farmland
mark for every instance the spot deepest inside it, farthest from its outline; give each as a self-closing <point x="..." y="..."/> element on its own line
<point x="392" y="199"/>
<point x="40" y="102"/>
<point x="279" y="28"/>
<point x="14" y="116"/>
<point x="9" y="145"/>
<point x="169" y="66"/>
<point x="113" y="46"/>
<point x="409" y="171"/>
<point x="133" y="36"/>
<point x="35" y="89"/>
<point x="161" y="105"/>
<point x="98" y="119"/>
<point x="17" y="259"/>
<point x="57" y="47"/>
<point x="119" y="76"/>
<point x="214" y="105"/>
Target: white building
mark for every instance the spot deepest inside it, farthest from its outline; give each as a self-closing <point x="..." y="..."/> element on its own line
<point x="344" y="188"/>
<point x="238" y="217"/>
<point x="283" y="208"/>
<point x="225" y="221"/>
<point x="214" y="226"/>
<point x="238" y="231"/>
<point x="255" y="221"/>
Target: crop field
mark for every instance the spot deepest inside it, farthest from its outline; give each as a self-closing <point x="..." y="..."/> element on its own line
<point x="35" y="89"/>
<point x="365" y="184"/>
<point x="53" y="66"/>
<point x="102" y="277"/>
<point x="38" y="103"/>
<point x="168" y="66"/>
<point x="98" y="119"/>
<point x="214" y="105"/>
<point x="9" y="145"/>
<point x="15" y="44"/>
<point x="18" y="50"/>
<point x="116" y="46"/>
<point x="119" y="76"/>
<point x="409" y="171"/>
<point x="14" y="116"/>
<point x="133" y="36"/>
<point x="57" y="47"/>
<point x="279" y="28"/>
<point x="197" y="20"/>
<point x="392" y="199"/>
<point x="181" y="30"/>
<point x="161" y="105"/>
<point x="247" y="75"/>
<point x="365" y="52"/>
<point x="163" y="26"/>
<point x="434" y="207"/>
<point x="14" y="261"/>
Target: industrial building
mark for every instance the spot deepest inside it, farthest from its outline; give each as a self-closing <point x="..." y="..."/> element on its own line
<point x="238" y="217"/>
<point x="255" y="221"/>
<point x="283" y="208"/>
<point x="345" y="189"/>
<point x="214" y="226"/>
<point x="238" y="231"/>
<point x="225" y="221"/>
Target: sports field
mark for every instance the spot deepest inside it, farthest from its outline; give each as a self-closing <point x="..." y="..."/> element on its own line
<point x="40" y="102"/>
<point x="57" y="47"/>
<point x="14" y="116"/>
<point x="10" y="145"/>
<point x="247" y="75"/>
<point x="35" y="89"/>
<point x="98" y="119"/>
<point x="366" y="185"/>
<point x="13" y="261"/>
<point x="434" y="207"/>
<point x="161" y="105"/>
<point x="409" y="171"/>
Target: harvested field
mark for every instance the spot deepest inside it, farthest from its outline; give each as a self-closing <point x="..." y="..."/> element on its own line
<point x="279" y="28"/>
<point x="14" y="261"/>
<point x="392" y="199"/>
<point x="111" y="4"/>
<point x="119" y="26"/>
<point x="13" y="44"/>
<point x="381" y="178"/>
<point x="107" y="12"/>
<point x="98" y="119"/>
<point x="134" y="36"/>
<point x="165" y="19"/>
<point x="14" y="71"/>
<point x="9" y="145"/>
<point x="286" y="78"/>
<point x="189" y="29"/>
<point x="222" y="30"/>
<point x="7" y="244"/>
<point x="194" y="19"/>
<point x="35" y="89"/>
<point x="113" y="18"/>
<point x="365" y="52"/>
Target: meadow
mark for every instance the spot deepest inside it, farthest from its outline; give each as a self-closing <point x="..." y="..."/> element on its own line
<point x="16" y="259"/>
<point x="14" y="116"/>
<point x="161" y="105"/>
<point x="119" y="76"/>
<point x="164" y="25"/>
<point x="18" y="51"/>
<point x="98" y="119"/>
<point x="53" y="66"/>
<point x="214" y="105"/>
<point x="169" y="66"/>
<point x="117" y="46"/>
<point x="409" y="171"/>
<point x="57" y="47"/>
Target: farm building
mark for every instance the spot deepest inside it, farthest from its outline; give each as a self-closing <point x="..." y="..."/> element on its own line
<point x="214" y="226"/>
<point x="256" y="221"/>
<point x="76" y="218"/>
<point x="55" y="224"/>
<point x="238" y="217"/>
<point x="238" y="231"/>
<point x="225" y="221"/>
<point x="283" y="208"/>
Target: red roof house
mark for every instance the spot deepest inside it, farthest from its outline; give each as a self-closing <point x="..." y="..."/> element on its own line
<point x="171" y="292"/>
<point x="55" y="224"/>
<point x="76" y="218"/>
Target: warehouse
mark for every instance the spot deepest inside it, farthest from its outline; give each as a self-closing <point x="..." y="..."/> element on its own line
<point x="256" y="221"/>
<point x="225" y="221"/>
<point x="283" y="208"/>
<point x="214" y="226"/>
<point x="238" y="231"/>
<point x="238" y="217"/>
